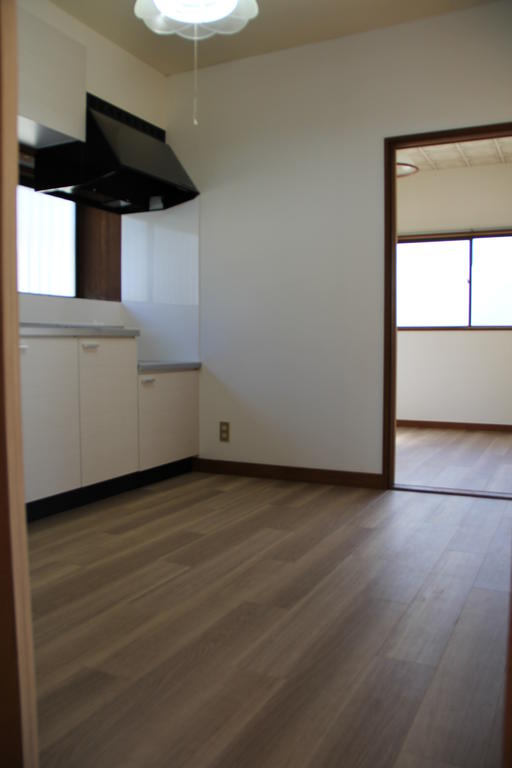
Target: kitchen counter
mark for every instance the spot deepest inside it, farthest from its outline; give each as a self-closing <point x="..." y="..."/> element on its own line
<point x="160" y="366"/>
<point x="70" y="329"/>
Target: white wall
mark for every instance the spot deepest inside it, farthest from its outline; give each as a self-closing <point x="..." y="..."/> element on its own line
<point x="289" y="159"/>
<point x="160" y="289"/>
<point x="455" y="376"/>
<point x="455" y="199"/>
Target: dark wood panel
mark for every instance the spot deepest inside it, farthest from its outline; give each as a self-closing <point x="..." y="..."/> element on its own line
<point x="493" y="131"/>
<point x="390" y="342"/>
<point x="98" y="254"/>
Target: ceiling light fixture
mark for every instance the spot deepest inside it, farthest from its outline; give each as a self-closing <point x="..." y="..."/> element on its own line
<point x="196" y="19"/>
<point x="406" y="169"/>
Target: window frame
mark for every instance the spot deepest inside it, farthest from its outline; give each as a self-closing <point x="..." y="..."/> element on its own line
<point x="469" y="235"/>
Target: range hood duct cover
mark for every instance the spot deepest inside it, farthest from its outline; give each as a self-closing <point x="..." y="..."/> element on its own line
<point x="119" y="168"/>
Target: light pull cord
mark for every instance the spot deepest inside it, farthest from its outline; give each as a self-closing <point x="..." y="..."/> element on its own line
<point x="194" y="108"/>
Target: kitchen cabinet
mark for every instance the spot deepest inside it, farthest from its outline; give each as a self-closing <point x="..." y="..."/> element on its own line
<point x="50" y="415"/>
<point x="108" y="408"/>
<point x="168" y="417"/>
<point x="52" y="82"/>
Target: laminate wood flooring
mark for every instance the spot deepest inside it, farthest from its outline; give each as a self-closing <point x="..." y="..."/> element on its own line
<point x="220" y="622"/>
<point x="459" y="459"/>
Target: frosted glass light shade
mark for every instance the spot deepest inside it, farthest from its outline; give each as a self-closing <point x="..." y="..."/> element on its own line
<point x="196" y="19"/>
<point x="406" y="169"/>
<point x="196" y="11"/>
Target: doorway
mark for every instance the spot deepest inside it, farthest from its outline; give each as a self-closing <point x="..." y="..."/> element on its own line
<point x="425" y="449"/>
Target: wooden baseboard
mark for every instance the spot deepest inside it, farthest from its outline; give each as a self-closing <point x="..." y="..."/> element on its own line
<point x="453" y="425"/>
<point x="91" y="493"/>
<point x="295" y="474"/>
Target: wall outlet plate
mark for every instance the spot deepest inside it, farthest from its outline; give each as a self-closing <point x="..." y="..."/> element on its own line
<point x="224" y="431"/>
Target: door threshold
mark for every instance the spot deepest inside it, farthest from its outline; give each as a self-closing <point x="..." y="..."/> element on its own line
<point x="453" y="491"/>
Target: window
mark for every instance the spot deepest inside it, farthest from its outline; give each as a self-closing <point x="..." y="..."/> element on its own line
<point x="458" y="282"/>
<point x="45" y="244"/>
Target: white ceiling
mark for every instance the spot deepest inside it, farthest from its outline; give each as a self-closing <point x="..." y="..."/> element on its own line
<point x="462" y="154"/>
<point x="280" y="24"/>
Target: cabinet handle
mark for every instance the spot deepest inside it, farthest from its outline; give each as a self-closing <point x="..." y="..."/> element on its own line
<point x="148" y="381"/>
<point x="90" y="345"/>
<point x="22" y="347"/>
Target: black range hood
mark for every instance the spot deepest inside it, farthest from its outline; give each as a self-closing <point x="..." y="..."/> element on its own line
<point x="120" y="168"/>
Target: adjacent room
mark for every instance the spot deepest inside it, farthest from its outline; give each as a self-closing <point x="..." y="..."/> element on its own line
<point x="454" y="315"/>
<point x="208" y="560"/>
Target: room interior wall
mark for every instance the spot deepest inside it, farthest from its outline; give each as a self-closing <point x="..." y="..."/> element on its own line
<point x="456" y="376"/>
<point x="289" y="158"/>
<point x="455" y="199"/>
<point x="447" y="375"/>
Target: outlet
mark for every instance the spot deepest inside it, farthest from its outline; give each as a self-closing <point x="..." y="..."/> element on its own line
<point x="224" y="431"/>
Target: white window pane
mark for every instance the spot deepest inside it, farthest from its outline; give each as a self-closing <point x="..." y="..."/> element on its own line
<point x="45" y="244"/>
<point x="492" y="281"/>
<point x="432" y="283"/>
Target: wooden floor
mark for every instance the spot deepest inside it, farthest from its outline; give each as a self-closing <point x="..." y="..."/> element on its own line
<point x="217" y="622"/>
<point x="452" y="458"/>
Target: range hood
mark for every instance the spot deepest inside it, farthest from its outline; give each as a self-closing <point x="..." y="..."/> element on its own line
<point x="119" y="168"/>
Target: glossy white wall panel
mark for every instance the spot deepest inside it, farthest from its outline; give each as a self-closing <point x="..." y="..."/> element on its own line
<point x="160" y="281"/>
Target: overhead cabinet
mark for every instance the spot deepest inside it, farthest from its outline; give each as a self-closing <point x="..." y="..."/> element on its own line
<point x="52" y="83"/>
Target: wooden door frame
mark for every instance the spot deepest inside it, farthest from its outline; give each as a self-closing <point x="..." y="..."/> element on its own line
<point x="391" y="145"/>
<point x="18" y="720"/>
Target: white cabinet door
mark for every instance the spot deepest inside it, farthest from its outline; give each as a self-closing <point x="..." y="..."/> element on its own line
<point x="52" y="81"/>
<point x="108" y="408"/>
<point x="49" y="396"/>
<point x="168" y="417"/>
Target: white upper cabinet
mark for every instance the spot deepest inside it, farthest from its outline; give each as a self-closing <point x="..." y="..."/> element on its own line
<point x="51" y="440"/>
<point x="108" y="408"/>
<point x="52" y="83"/>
